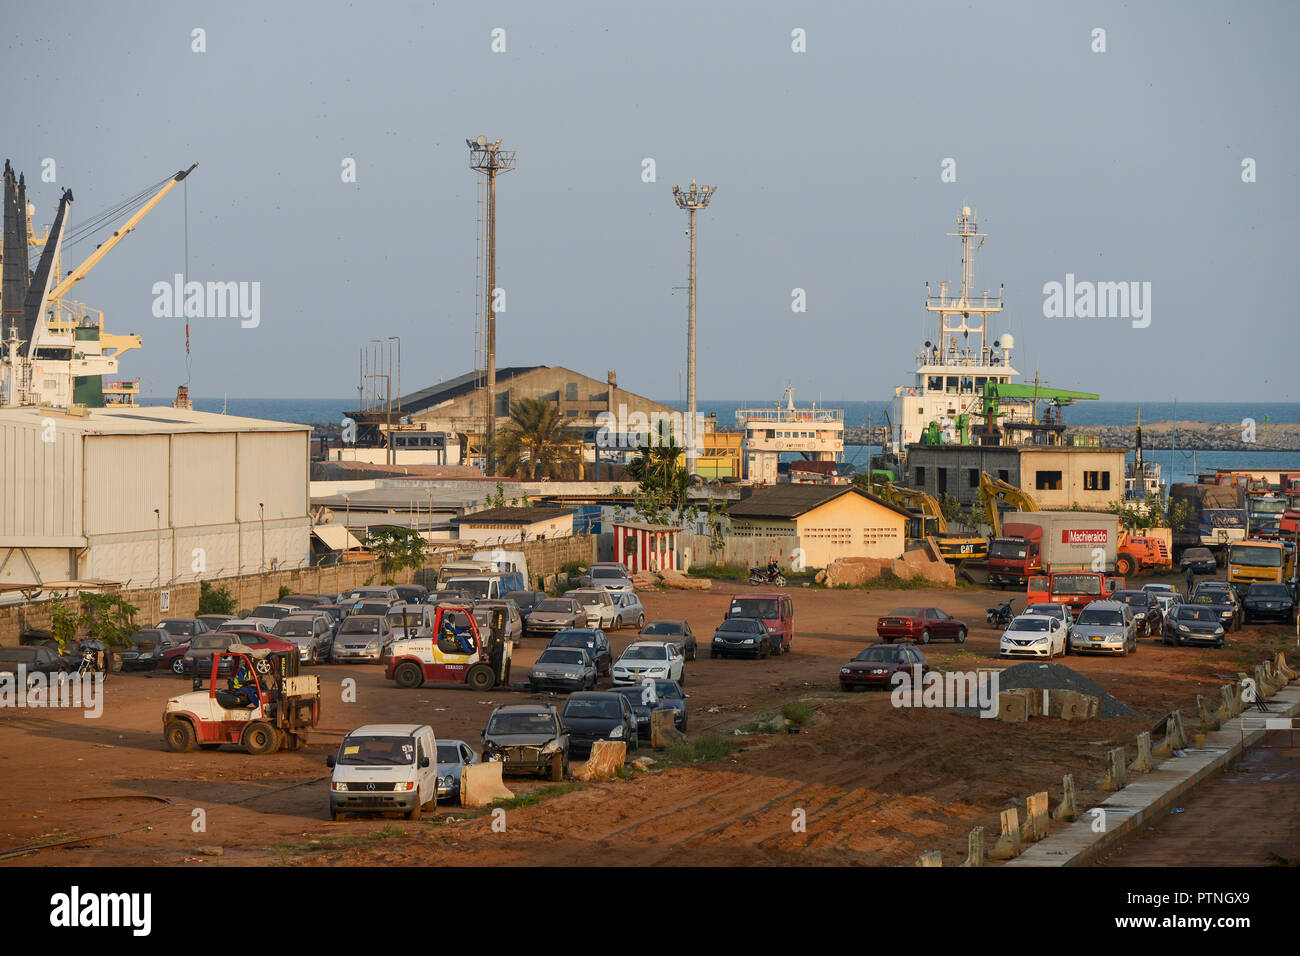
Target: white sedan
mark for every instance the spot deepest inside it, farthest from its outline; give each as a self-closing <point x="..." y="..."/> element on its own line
<point x="599" y="607"/>
<point x="1033" y="635"/>
<point x="656" y="660"/>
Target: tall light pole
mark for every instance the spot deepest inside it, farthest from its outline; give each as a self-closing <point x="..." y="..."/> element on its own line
<point x="389" y="458"/>
<point x="490" y="160"/>
<point x="157" y="561"/>
<point x="261" y="516"/>
<point x="696" y="197"/>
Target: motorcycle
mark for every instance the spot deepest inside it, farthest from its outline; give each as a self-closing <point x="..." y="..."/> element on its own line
<point x="764" y="576"/>
<point x="1000" y="616"/>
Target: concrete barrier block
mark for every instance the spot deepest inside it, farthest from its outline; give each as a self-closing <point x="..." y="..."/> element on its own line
<point x="1114" y="778"/>
<point x="1072" y="705"/>
<point x="1065" y="811"/>
<point x="1206" y="716"/>
<point x="930" y="858"/>
<point x="1012" y="707"/>
<point x="1009" y="844"/>
<point x="481" y="783"/>
<point x="607" y="756"/>
<point x="662" y="729"/>
<point x="1036" y="823"/>
<point x="1285" y="669"/>
<point x="1175" y="737"/>
<point x="1142" y="762"/>
<point x="975" y="848"/>
<point x="1223" y="713"/>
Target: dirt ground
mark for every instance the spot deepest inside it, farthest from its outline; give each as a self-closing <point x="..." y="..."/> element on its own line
<point x="875" y="784"/>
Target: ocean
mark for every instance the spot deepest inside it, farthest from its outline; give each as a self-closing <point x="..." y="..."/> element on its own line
<point x="1178" y="466"/>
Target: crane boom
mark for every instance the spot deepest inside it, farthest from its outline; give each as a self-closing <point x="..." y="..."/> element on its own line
<point x="992" y="489"/>
<point x="79" y="273"/>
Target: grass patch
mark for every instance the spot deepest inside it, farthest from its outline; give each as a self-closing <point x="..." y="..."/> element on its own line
<point x="706" y="748"/>
<point x="797" y="712"/>
<point x="962" y="660"/>
<point x="719" y="572"/>
<point x="537" y="796"/>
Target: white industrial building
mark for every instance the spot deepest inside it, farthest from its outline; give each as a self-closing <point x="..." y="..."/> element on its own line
<point x="138" y="496"/>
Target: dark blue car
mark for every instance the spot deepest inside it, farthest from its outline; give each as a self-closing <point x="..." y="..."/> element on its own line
<point x="667" y="694"/>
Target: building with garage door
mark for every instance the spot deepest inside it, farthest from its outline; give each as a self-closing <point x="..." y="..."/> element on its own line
<point x="148" y="496"/>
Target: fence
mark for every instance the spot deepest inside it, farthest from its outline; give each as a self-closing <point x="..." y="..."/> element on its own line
<point x="698" y="549"/>
<point x="250" y="590"/>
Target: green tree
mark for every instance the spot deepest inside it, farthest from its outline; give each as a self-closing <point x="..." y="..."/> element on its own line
<point x="215" y="600"/>
<point x="397" y="548"/>
<point x="109" y="617"/>
<point x="535" y="443"/>
<point x="65" y="619"/>
<point x="663" y="482"/>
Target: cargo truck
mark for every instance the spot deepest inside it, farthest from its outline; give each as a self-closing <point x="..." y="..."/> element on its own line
<point x="1036" y="543"/>
<point x="1215" y="519"/>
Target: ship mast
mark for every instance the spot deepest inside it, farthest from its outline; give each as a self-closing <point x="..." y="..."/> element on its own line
<point x="966" y="313"/>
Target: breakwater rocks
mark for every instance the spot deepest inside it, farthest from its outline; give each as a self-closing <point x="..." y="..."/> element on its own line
<point x="1247" y="435"/>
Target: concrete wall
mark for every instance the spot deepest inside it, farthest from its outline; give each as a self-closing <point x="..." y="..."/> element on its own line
<point x="747" y="551"/>
<point x="544" y="558"/>
<point x="929" y="465"/>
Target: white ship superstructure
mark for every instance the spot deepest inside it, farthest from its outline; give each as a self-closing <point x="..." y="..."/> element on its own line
<point x="951" y="370"/>
<point x="816" y="433"/>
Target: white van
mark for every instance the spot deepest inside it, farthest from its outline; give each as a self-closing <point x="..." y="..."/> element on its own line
<point x="385" y="768"/>
<point x="482" y="587"/>
<point x="456" y="569"/>
<point x="507" y="562"/>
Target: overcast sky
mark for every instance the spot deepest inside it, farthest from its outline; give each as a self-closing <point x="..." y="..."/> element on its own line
<point x="1123" y="165"/>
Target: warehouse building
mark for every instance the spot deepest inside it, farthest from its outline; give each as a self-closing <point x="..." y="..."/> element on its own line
<point x="1055" y="476"/>
<point x="829" y="521"/>
<point x="148" y="496"/>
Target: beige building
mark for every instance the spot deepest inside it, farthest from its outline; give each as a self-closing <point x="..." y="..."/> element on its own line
<point x="512" y="525"/>
<point x="828" y="521"/>
<point x="1055" y="476"/>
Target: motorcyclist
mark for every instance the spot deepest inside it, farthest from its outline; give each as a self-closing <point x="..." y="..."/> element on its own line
<point x="773" y="569"/>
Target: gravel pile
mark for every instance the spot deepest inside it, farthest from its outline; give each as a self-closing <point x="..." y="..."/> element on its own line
<point x="1059" y="677"/>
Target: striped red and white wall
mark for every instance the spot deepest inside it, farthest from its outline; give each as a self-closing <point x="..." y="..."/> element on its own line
<point x="644" y="550"/>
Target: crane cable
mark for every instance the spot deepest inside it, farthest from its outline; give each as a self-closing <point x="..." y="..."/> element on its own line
<point x="107" y="217"/>
<point x="189" y="368"/>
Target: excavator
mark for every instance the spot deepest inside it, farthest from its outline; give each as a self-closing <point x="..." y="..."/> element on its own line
<point x="953" y="547"/>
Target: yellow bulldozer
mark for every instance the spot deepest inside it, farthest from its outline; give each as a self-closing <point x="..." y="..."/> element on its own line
<point x="954" y="546"/>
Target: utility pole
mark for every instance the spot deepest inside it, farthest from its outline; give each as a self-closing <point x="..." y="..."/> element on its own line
<point x="261" y="517"/>
<point x="490" y="160"/>
<point x="697" y="197"/>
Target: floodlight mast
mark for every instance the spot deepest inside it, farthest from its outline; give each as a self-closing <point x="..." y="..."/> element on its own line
<point x="490" y="160"/>
<point x="696" y="197"/>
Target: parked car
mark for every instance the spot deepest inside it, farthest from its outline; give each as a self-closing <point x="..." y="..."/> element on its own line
<point x="373" y="607"/>
<point x="1193" y="624"/>
<point x="1105" y="627"/>
<point x="655" y="659"/>
<point x="1200" y="560"/>
<point x="311" y="632"/>
<point x="774" y="611"/>
<point x="35" y="659"/>
<point x="590" y="716"/>
<point x="524" y="738"/>
<point x="450" y="596"/>
<point x="525" y="600"/>
<point x="197" y="659"/>
<point x="305" y="601"/>
<point x="382" y="768"/>
<point x="183" y="626"/>
<point x="1033" y="635"/>
<point x="383" y="593"/>
<point x="599" y="607"/>
<point x="563" y="669"/>
<point x="405" y="620"/>
<point x="263" y="624"/>
<point x="1265" y="601"/>
<point x="514" y="623"/>
<point x="556" y="614"/>
<point x="745" y="636"/>
<point x="678" y="632"/>
<point x="649" y="696"/>
<point x="146" y="648"/>
<point x="274" y="611"/>
<point x="1166" y="594"/>
<point x="336" y="612"/>
<point x="607" y="577"/>
<point x="876" y="665"/>
<point x="214" y="621"/>
<point x="173" y="658"/>
<point x="627" y="607"/>
<point x="411" y="593"/>
<point x="1222" y="601"/>
<point x="1061" y="611"/>
<point x="363" y="637"/>
<point x="591" y="639"/>
<point x="920" y="624"/>
<point x="453" y="757"/>
<point x="1147" y="613"/>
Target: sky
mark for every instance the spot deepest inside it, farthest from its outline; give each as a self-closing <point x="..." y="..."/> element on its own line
<point x="1115" y="165"/>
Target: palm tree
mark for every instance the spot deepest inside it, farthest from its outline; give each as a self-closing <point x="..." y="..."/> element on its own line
<point x="658" y="470"/>
<point x="536" y="443"/>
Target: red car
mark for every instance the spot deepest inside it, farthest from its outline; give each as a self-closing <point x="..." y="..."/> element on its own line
<point x="775" y="611"/>
<point x="920" y="624"/>
<point x="179" y="660"/>
<point x="876" y="666"/>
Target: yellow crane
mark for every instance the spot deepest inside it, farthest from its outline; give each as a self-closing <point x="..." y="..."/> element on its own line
<point x="954" y="547"/>
<point x="79" y="273"/>
<point x="993" y="490"/>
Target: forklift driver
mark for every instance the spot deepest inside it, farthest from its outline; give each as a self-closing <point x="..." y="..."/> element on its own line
<point x="244" y="686"/>
<point x="452" y="637"/>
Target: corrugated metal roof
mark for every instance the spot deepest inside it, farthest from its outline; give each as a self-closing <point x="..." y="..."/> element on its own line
<point x="159" y="419"/>
<point x="513" y="516"/>
<point x="790" y="501"/>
